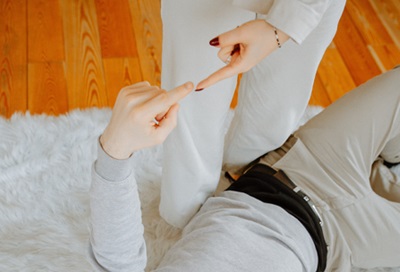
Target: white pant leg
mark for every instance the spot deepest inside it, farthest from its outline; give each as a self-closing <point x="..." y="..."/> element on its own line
<point x="274" y="95"/>
<point x="332" y="162"/>
<point x="193" y="152"/>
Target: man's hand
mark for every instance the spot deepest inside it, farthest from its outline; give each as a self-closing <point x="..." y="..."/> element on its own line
<point x="242" y="48"/>
<point x="134" y="119"/>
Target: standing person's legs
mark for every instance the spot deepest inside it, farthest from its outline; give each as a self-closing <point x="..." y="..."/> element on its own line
<point x="193" y="152"/>
<point x="332" y="162"/>
<point x="274" y="94"/>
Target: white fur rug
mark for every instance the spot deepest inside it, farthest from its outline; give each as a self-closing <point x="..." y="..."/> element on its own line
<point x="44" y="179"/>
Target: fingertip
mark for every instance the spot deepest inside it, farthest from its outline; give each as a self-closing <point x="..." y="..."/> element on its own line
<point x="200" y="86"/>
<point x="214" y="41"/>
<point x="141" y="83"/>
<point x="189" y="85"/>
<point x="146" y="83"/>
<point x="179" y="93"/>
<point x="230" y="37"/>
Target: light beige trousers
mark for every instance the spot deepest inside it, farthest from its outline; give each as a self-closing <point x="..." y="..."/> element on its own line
<point x="333" y="158"/>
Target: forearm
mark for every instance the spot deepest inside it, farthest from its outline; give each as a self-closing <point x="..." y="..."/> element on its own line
<point x="117" y="242"/>
<point x="295" y="18"/>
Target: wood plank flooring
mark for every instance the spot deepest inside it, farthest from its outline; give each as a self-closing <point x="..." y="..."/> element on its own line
<point x="59" y="55"/>
<point x="13" y="57"/>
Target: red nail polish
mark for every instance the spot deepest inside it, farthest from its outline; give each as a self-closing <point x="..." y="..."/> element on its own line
<point x="214" y="42"/>
<point x="199" y="90"/>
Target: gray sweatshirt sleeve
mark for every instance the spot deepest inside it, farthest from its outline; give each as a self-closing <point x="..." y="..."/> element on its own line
<point x="116" y="229"/>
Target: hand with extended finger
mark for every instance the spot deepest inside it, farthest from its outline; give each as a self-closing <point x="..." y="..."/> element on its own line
<point x="244" y="47"/>
<point x="143" y="116"/>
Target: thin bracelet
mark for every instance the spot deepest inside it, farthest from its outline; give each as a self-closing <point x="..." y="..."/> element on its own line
<point x="277" y="37"/>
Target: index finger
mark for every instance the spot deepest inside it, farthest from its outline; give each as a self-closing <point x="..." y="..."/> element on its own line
<point x="172" y="97"/>
<point x="178" y="93"/>
<point x="219" y="75"/>
<point x="161" y="104"/>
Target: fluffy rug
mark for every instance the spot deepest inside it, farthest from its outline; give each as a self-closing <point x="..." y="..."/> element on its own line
<point x="44" y="179"/>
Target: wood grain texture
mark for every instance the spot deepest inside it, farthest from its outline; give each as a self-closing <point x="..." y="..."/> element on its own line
<point x="334" y="75"/>
<point x="386" y="56"/>
<point x="84" y="70"/>
<point x="48" y="81"/>
<point x="115" y="25"/>
<point x="120" y="72"/>
<point x="367" y="22"/>
<point x="389" y="13"/>
<point x="353" y="50"/>
<point x="146" y="20"/>
<point x="319" y="96"/>
<point x="13" y="57"/>
<point x="58" y="55"/>
<point x="45" y="31"/>
<point x="236" y="93"/>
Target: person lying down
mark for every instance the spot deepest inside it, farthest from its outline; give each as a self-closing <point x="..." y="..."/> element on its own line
<point x="306" y="206"/>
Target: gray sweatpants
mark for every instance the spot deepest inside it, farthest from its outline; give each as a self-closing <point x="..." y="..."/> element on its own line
<point x="333" y="158"/>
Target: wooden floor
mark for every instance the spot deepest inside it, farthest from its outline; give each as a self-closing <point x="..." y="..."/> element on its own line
<point x="58" y="55"/>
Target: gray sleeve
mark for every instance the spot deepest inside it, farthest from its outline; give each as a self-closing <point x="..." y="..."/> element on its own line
<point x="116" y="229"/>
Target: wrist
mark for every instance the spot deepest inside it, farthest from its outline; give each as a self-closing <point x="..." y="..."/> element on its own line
<point x="279" y="36"/>
<point x="111" y="169"/>
<point x="113" y="148"/>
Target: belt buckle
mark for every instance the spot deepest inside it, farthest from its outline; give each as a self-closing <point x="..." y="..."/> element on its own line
<point x="310" y="203"/>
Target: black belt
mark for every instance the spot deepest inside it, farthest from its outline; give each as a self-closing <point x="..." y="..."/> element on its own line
<point x="282" y="177"/>
<point x="270" y="186"/>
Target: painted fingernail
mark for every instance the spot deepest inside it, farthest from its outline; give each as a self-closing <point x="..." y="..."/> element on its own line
<point x="214" y="42"/>
<point x="236" y="48"/>
<point x="199" y="90"/>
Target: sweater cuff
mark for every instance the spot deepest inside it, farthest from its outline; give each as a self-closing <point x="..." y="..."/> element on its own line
<point x="112" y="169"/>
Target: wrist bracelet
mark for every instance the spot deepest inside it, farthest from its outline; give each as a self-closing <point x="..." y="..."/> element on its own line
<point x="277" y="37"/>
